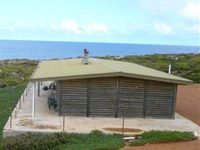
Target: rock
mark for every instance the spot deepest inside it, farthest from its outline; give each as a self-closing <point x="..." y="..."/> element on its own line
<point x="16" y="75"/>
<point x="196" y="134"/>
<point x="129" y="138"/>
<point x="2" y="85"/>
<point x="1" y="72"/>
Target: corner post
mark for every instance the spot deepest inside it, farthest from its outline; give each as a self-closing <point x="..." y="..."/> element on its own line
<point x="33" y="101"/>
<point x="174" y="102"/>
<point x="145" y="99"/>
<point x="88" y="97"/>
<point x="58" y="96"/>
<point x="38" y="89"/>
<point x="117" y="97"/>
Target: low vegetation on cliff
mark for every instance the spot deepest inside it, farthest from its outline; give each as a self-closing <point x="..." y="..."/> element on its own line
<point x="183" y="65"/>
<point x="13" y="72"/>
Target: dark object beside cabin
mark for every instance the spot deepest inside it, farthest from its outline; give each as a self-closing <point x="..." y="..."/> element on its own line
<point x="52" y="101"/>
<point x="45" y="88"/>
<point x="52" y="86"/>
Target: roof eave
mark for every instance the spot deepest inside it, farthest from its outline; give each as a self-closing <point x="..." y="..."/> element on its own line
<point x="183" y="82"/>
<point x="74" y="77"/>
<point x="167" y="80"/>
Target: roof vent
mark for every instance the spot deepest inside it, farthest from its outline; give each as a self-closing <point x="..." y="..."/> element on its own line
<point x="169" y="70"/>
<point x="85" y="59"/>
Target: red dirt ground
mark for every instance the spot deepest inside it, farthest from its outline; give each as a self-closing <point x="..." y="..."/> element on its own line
<point x="188" y="102"/>
<point x="189" y="145"/>
<point x="188" y="105"/>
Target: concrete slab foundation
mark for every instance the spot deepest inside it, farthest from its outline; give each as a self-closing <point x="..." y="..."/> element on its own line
<point x="48" y="121"/>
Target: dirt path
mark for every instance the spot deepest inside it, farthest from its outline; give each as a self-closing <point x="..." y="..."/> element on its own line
<point x="190" y="145"/>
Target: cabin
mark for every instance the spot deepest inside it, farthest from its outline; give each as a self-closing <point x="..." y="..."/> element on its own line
<point x="92" y="87"/>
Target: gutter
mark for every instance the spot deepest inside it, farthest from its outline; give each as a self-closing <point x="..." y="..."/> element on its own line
<point x="115" y="74"/>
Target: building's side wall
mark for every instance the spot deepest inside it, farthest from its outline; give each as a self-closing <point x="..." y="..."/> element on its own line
<point x="160" y="100"/>
<point x="117" y="97"/>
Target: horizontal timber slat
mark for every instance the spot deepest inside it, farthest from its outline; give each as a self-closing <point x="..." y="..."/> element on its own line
<point x="102" y="96"/>
<point x="159" y="99"/>
<point x="116" y="97"/>
<point x="73" y="97"/>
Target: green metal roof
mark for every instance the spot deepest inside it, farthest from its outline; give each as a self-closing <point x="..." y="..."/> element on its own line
<point x="74" y="69"/>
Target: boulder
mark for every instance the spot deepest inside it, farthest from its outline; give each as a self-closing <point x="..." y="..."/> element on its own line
<point x="2" y="85"/>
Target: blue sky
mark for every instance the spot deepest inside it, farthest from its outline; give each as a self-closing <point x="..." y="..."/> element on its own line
<point x="173" y="22"/>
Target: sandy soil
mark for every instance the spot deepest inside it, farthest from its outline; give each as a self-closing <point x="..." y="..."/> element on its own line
<point x="188" y="105"/>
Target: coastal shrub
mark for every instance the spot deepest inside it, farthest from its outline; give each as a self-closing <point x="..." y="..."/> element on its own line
<point x="96" y="132"/>
<point x="163" y="137"/>
<point x="11" y="81"/>
<point x="31" y="141"/>
<point x="13" y="72"/>
<point x="60" y="141"/>
<point x="94" y="141"/>
<point x="183" y="65"/>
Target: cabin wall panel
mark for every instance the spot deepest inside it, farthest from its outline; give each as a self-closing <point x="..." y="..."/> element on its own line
<point x="73" y="95"/>
<point x="160" y="97"/>
<point x="103" y="96"/>
<point x="131" y="97"/>
<point x="116" y="97"/>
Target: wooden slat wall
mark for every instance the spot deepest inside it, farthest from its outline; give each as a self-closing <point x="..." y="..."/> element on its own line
<point x="73" y="97"/>
<point x="117" y="97"/>
<point x="103" y="95"/>
<point x="131" y="97"/>
<point x="159" y="99"/>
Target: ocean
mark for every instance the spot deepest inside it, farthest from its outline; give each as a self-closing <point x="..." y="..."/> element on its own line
<point x="13" y="49"/>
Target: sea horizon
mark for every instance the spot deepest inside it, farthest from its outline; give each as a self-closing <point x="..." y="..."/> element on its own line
<point x="35" y="49"/>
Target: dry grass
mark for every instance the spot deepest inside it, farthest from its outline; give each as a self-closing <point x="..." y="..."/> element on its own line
<point x="125" y="130"/>
<point x="31" y="124"/>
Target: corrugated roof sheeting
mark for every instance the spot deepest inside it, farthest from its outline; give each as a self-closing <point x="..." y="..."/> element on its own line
<point x="74" y="69"/>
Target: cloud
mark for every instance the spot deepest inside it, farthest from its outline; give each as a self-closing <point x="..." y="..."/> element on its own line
<point x="132" y="27"/>
<point x="72" y="26"/>
<point x="191" y="11"/>
<point x="7" y="28"/>
<point x="195" y="28"/>
<point x="161" y="8"/>
<point x="21" y="26"/>
<point x="163" y="28"/>
<point x="96" y="28"/>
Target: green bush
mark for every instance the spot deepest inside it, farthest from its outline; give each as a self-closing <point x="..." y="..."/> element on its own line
<point x="60" y="141"/>
<point x="163" y="137"/>
<point x="14" y="72"/>
<point x="96" y="132"/>
<point x="94" y="141"/>
<point x="32" y="141"/>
